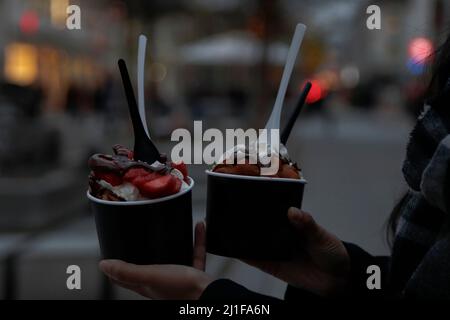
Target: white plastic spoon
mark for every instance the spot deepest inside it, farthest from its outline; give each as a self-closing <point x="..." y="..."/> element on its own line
<point x="274" y="120"/>
<point x="140" y="80"/>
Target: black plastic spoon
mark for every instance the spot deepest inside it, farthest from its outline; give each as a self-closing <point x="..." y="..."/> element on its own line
<point x="298" y="108"/>
<point x="144" y="148"/>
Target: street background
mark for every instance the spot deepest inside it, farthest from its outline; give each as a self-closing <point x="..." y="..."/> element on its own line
<point x="218" y="61"/>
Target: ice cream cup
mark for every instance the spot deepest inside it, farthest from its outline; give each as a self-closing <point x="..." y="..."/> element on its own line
<point x="246" y="217"/>
<point x="157" y="231"/>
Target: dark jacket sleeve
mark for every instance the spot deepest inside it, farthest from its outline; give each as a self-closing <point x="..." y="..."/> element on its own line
<point x="223" y="289"/>
<point x="359" y="261"/>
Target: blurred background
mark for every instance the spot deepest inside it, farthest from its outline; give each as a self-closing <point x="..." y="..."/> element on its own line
<point x="219" y="61"/>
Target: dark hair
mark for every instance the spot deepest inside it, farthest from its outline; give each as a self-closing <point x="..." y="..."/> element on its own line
<point x="435" y="95"/>
<point x="440" y="73"/>
<point x="392" y="222"/>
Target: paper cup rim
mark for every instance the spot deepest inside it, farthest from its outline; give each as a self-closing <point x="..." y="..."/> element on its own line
<point x="141" y="202"/>
<point x="259" y="178"/>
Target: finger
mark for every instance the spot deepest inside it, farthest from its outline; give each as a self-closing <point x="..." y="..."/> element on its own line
<point x="142" y="290"/>
<point x="159" y="281"/>
<point x="305" y="223"/>
<point x="199" y="256"/>
<point x="317" y="240"/>
<point x="136" y="288"/>
<point x="126" y="272"/>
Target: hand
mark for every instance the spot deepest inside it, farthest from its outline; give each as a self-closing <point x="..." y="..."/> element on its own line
<point x="322" y="266"/>
<point x="164" y="281"/>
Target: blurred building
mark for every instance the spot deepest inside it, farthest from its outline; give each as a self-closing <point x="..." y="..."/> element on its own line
<point x="38" y="49"/>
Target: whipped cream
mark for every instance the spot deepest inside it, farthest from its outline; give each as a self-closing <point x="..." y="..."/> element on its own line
<point x="257" y="152"/>
<point x="126" y="191"/>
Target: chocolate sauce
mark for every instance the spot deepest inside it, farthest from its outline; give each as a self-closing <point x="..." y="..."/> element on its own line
<point x="119" y="163"/>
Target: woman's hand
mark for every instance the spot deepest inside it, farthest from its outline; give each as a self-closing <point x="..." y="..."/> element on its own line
<point x="322" y="266"/>
<point x="164" y="281"/>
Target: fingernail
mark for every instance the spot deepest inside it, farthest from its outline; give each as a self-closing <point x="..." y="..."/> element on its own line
<point x="294" y="209"/>
<point x="296" y="216"/>
<point x="294" y="213"/>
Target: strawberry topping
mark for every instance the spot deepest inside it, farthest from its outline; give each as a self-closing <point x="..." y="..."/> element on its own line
<point x="160" y="187"/>
<point x="133" y="173"/>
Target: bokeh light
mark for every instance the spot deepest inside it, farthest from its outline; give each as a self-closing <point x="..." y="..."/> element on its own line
<point x="349" y="77"/>
<point x="316" y="93"/>
<point x="420" y="49"/>
<point x="415" y="67"/>
<point x="29" y="22"/>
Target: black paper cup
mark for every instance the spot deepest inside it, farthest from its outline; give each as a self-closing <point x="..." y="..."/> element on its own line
<point x="157" y="231"/>
<point x="246" y="217"/>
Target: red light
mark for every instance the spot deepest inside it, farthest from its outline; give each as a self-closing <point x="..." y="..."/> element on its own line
<point x="316" y="93"/>
<point x="29" y="22"/>
<point x="420" y="49"/>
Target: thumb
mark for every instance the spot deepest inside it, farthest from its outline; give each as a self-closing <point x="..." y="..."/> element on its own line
<point x="306" y="225"/>
<point x="324" y="248"/>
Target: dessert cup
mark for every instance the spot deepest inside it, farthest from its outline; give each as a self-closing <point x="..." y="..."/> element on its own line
<point x="246" y="216"/>
<point x="157" y="231"/>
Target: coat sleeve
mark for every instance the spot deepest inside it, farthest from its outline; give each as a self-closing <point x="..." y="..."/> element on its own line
<point x="224" y="289"/>
<point x="357" y="287"/>
<point x="431" y="279"/>
<point x="360" y="260"/>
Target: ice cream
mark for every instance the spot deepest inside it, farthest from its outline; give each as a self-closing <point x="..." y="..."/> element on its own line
<point x="119" y="177"/>
<point x="241" y="161"/>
